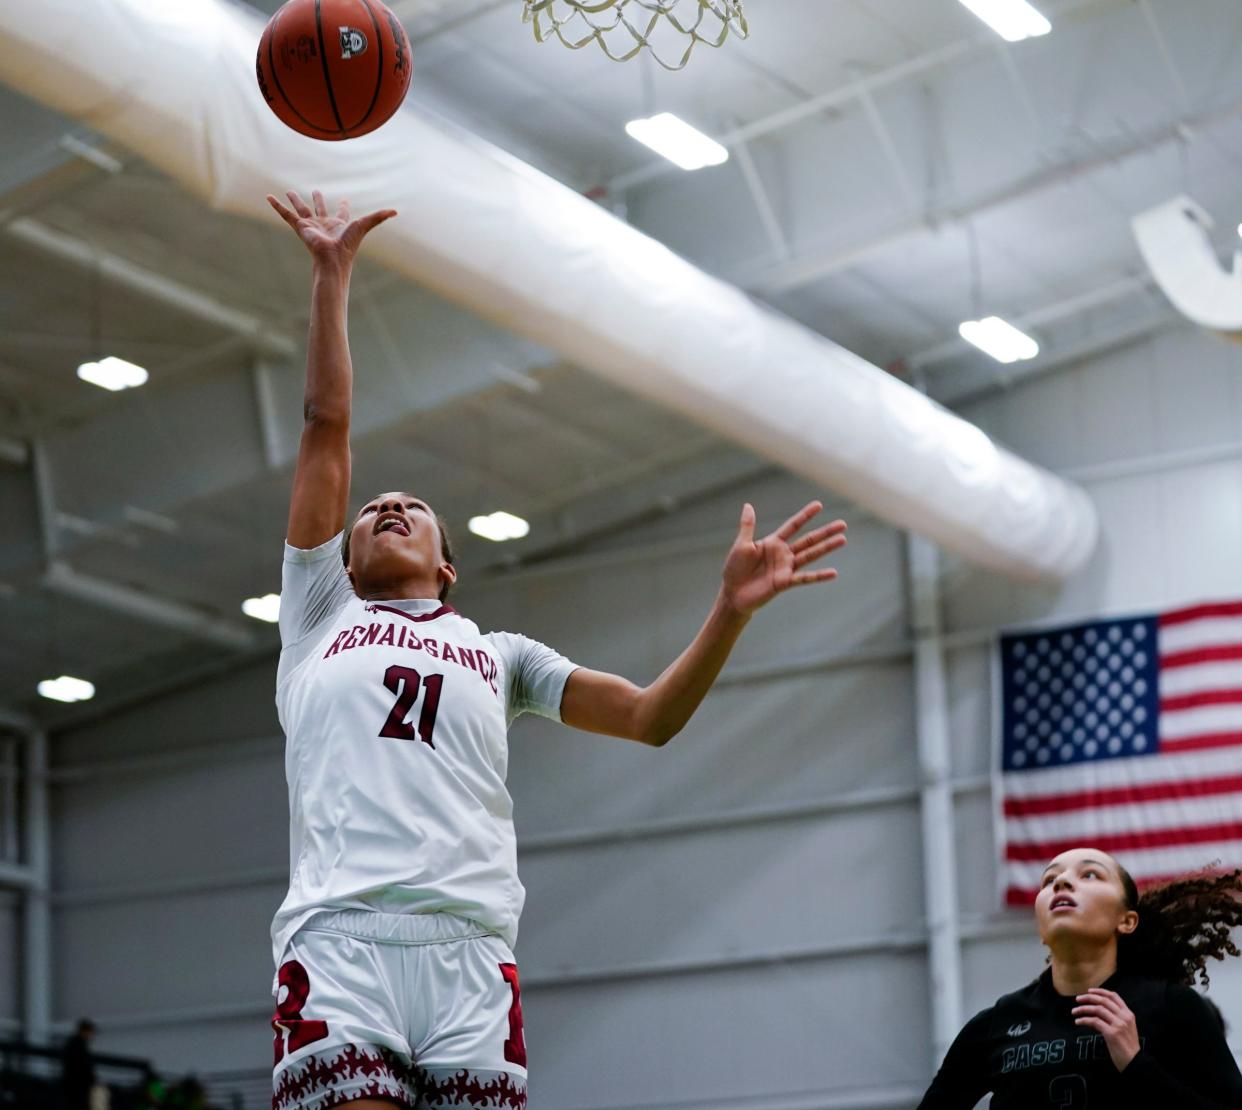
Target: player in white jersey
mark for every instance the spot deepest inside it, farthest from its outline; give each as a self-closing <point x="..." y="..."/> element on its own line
<point x="396" y="981"/>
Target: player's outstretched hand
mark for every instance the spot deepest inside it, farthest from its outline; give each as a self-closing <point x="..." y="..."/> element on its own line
<point x="329" y="238"/>
<point x="755" y="571"/>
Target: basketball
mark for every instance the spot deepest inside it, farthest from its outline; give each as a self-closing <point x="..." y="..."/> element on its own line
<point x="334" y="69"/>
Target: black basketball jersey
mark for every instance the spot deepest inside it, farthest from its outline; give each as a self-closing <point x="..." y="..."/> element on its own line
<point x="1028" y="1052"/>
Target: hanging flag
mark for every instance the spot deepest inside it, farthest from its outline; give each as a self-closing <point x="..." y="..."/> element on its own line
<point x="1123" y="735"/>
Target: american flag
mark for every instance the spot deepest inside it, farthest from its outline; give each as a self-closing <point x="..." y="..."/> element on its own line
<point x="1124" y="735"/>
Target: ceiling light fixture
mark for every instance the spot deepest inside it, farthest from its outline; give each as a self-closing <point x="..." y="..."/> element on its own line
<point x="1001" y="340"/>
<point x="677" y="141"/>
<point x="67" y="689"/>
<point x="265" y="608"/>
<point x="499" y="526"/>
<point x="1013" y="20"/>
<point x="113" y="374"/>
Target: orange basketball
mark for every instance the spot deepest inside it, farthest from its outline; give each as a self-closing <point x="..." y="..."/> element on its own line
<point x="334" y="69"/>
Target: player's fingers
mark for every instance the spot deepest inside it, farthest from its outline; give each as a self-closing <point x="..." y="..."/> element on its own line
<point x="321" y="209"/>
<point x="369" y="223"/>
<point x="819" y="550"/>
<point x="299" y="205"/>
<point x="342" y="211"/>
<point x="746" y="526"/>
<point x="282" y="211"/>
<point x="817" y="539"/>
<point x="1106" y="999"/>
<point x="798" y="519"/>
<point x="810" y="577"/>
<point x="836" y="528"/>
<point x="1095" y="1013"/>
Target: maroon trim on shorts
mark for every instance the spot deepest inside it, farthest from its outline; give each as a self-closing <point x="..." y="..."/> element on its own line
<point x="342" y="1074"/>
<point x="338" y="1075"/>
<point x="475" y="1090"/>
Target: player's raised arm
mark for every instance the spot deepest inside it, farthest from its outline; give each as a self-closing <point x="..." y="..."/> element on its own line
<point x="755" y="571"/>
<point x="320" y="498"/>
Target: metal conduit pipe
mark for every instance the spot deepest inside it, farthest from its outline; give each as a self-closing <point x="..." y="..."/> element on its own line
<point x="936" y="809"/>
<point x="36" y="904"/>
<point x="176" y="84"/>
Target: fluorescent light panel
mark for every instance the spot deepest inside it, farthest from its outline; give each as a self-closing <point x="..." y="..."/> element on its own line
<point x="1013" y="20"/>
<point x="265" y="608"/>
<point x="67" y="689"/>
<point x="677" y="141"/>
<point x="499" y="526"/>
<point x="1001" y="340"/>
<point x="113" y="374"/>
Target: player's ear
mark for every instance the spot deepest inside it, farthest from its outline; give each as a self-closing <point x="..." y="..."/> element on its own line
<point x="448" y="574"/>
<point x="1128" y="923"/>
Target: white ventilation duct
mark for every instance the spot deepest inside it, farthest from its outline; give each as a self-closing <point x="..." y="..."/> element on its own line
<point x="174" y="81"/>
<point x="1175" y="241"/>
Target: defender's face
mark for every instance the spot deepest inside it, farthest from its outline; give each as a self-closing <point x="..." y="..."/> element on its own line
<point x="1081" y="896"/>
<point x="394" y="536"/>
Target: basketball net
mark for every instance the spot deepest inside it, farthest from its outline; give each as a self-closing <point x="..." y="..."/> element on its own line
<point x="624" y="27"/>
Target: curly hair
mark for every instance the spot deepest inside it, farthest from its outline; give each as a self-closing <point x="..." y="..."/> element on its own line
<point x="1182" y="924"/>
<point x="446" y="550"/>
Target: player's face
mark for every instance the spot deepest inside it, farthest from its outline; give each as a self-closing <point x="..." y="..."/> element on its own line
<point x="395" y="538"/>
<point x="1081" y="898"/>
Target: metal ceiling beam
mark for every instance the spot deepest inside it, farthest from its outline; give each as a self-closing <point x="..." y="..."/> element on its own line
<point x="559" y="528"/>
<point x="15" y="720"/>
<point x="1006" y="377"/>
<point x="888" y="146"/>
<point x="141" y="605"/>
<point x="1166" y="55"/>
<point x="854" y="91"/>
<point x="54" y="171"/>
<point x="150" y="284"/>
<point x="812" y="266"/>
<point x="763" y="204"/>
<point x="1055" y="312"/>
<point x="14" y="451"/>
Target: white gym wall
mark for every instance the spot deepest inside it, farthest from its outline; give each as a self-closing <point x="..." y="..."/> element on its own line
<point x="735" y="921"/>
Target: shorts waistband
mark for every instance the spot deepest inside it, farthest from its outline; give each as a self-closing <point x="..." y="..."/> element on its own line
<point x="397" y="928"/>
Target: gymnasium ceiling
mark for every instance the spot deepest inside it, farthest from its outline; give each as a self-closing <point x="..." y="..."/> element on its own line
<point x="896" y="168"/>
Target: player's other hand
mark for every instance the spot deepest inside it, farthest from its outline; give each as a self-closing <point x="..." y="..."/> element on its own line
<point x="329" y="238"/>
<point x="1107" y="1013"/>
<point x="755" y="571"/>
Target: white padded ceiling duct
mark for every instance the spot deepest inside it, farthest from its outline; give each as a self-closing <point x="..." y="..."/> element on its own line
<point x="1175" y="239"/>
<point x="174" y="81"/>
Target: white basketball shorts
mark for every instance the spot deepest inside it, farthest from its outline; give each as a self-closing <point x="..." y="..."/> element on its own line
<point x="419" y="1009"/>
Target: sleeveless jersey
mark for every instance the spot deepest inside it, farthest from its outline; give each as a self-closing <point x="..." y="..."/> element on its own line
<point x="396" y="715"/>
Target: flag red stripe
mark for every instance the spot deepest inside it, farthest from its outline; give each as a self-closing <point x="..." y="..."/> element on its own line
<point x="1200" y="697"/>
<point x="1200" y="612"/>
<point x="1199" y="743"/>
<point x="1122" y="796"/>
<point x="1219" y="653"/>
<point x="1035" y="851"/>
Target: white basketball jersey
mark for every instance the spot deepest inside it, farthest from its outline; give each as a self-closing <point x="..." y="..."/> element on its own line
<point x="396" y="716"/>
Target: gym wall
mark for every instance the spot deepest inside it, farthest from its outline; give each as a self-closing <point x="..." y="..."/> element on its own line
<point x="736" y="920"/>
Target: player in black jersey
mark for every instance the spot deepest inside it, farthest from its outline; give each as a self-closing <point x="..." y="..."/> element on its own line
<point x="1113" y="1024"/>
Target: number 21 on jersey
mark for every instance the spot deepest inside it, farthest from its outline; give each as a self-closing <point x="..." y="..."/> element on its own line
<point x="405" y="683"/>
